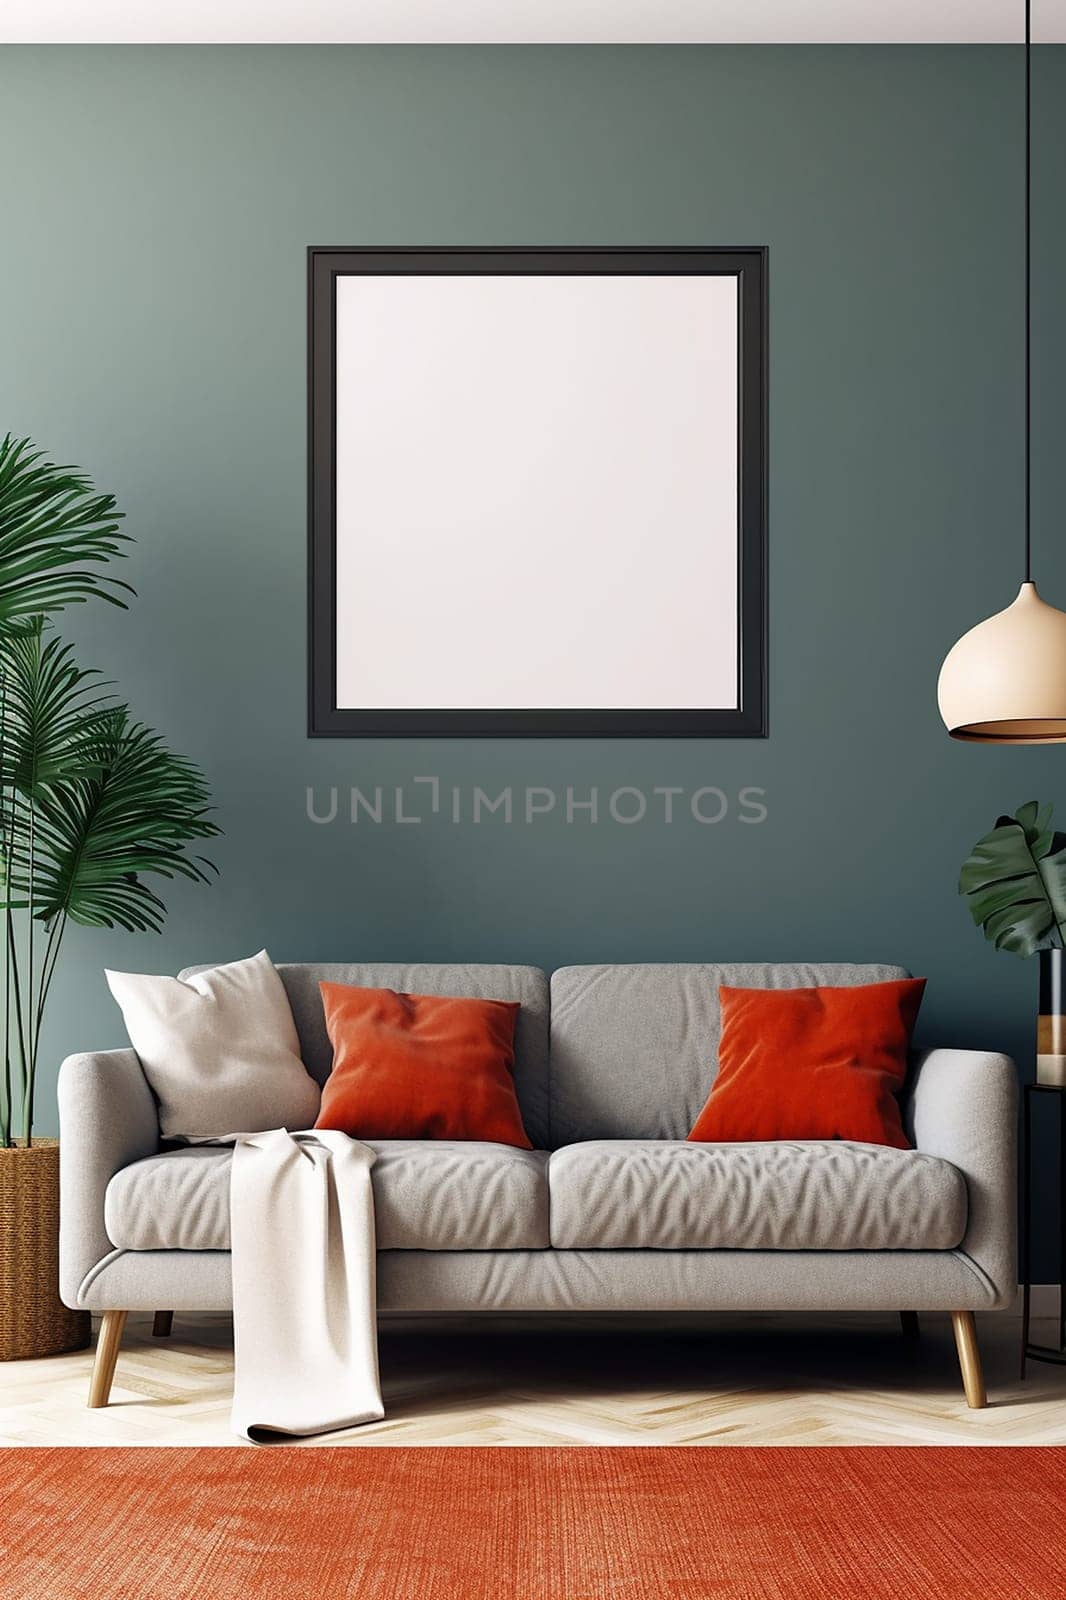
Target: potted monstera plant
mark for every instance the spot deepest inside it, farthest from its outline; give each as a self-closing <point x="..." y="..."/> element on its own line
<point x="1014" y="881"/>
<point x="93" y="806"/>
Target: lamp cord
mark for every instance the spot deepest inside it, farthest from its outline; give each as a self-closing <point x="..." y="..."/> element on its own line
<point x="1028" y="286"/>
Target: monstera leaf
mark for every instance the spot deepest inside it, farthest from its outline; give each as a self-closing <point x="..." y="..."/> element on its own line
<point x="1015" y="882"/>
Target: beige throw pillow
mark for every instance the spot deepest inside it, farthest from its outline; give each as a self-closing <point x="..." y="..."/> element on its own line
<point x="219" y="1050"/>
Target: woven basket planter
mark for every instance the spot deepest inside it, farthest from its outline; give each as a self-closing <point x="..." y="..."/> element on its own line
<point x="33" y="1319"/>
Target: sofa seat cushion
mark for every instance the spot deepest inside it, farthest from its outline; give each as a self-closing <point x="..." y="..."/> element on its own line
<point x="428" y="1195"/>
<point x="661" y="1194"/>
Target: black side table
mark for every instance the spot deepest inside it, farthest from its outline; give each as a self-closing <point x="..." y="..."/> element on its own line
<point x="1051" y="1097"/>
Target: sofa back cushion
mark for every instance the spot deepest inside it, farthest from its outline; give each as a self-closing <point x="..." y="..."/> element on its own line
<point x="634" y="1049"/>
<point x="527" y="985"/>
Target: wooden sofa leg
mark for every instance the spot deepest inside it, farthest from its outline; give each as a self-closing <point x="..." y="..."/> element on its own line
<point x="106" y="1355"/>
<point x="164" y="1321"/>
<point x="969" y="1359"/>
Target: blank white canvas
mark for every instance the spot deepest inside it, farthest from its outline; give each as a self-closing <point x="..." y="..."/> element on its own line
<point x="537" y="492"/>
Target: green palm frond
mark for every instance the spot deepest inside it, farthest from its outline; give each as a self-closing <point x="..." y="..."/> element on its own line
<point x="98" y="836"/>
<point x="55" y="531"/>
<point x="53" y="714"/>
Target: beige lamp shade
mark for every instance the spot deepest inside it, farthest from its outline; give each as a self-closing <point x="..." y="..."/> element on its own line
<point x="1005" y="680"/>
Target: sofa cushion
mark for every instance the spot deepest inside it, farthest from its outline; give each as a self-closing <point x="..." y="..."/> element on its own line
<point x="479" y="980"/>
<point x="219" y="1049"/>
<point x="822" y="1063"/>
<point x="428" y="1195"/>
<point x="634" y="1049"/>
<point x="420" y="1066"/>
<point x="660" y="1194"/>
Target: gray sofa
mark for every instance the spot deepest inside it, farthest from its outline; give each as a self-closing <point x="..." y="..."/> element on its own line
<point x="611" y="1211"/>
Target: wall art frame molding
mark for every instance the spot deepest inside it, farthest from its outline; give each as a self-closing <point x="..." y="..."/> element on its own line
<point x="332" y="270"/>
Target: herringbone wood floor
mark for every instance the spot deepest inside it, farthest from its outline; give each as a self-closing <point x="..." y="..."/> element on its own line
<point x="759" y="1379"/>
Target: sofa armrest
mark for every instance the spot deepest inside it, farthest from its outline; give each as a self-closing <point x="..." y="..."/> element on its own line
<point x="107" y="1118"/>
<point x="963" y="1106"/>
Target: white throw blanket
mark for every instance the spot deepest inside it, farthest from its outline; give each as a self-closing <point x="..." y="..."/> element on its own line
<point x="304" y="1298"/>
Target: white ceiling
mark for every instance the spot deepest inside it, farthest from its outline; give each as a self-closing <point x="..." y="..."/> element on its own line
<point x="527" y="21"/>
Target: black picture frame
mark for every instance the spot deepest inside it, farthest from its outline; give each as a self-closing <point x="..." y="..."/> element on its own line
<point x="746" y="720"/>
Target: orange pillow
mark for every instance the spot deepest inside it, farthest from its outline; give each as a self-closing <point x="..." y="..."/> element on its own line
<point x="420" y="1066"/>
<point x="812" y="1064"/>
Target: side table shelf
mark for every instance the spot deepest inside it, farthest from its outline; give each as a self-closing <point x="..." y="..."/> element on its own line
<point x="1031" y="1351"/>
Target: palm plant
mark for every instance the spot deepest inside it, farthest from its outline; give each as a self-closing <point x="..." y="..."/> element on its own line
<point x="91" y="801"/>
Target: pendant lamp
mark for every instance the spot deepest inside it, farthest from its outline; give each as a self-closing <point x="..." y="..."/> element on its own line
<point x="1005" y="680"/>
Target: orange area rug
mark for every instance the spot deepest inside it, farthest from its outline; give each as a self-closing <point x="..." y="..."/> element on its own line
<point x="292" y="1523"/>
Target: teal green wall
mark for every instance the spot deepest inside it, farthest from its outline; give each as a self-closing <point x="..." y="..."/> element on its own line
<point x="155" y="208"/>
